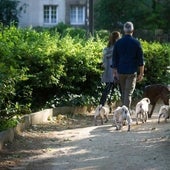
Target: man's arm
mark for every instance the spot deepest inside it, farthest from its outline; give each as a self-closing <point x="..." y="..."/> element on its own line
<point x="141" y="73"/>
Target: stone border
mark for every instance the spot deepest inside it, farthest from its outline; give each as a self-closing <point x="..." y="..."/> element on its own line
<point x="38" y="118"/>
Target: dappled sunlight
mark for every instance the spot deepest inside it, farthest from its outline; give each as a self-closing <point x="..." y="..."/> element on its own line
<point x="156" y="140"/>
<point x="95" y="158"/>
<point x="87" y="168"/>
<point x="144" y="131"/>
<point x="90" y="147"/>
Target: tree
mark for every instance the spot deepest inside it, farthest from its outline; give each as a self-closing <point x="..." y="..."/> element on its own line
<point x="113" y="13"/>
<point x="150" y="14"/>
<point x="166" y="14"/>
<point x="8" y="12"/>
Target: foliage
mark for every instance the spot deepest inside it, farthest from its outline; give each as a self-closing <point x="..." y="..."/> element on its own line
<point x="145" y="14"/>
<point x="40" y="69"/>
<point x="8" y="12"/>
<point x="71" y="100"/>
<point x="102" y="34"/>
<point x="157" y="59"/>
<point x="60" y="28"/>
<point x="6" y="124"/>
<point x="166" y="14"/>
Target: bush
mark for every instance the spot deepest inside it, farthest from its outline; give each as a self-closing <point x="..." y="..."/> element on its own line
<point x="39" y="69"/>
<point x="157" y="58"/>
<point x="71" y="100"/>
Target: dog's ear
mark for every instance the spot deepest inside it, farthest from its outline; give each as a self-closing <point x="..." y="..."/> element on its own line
<point x="100" y="106"/>
<point x="124" y="109"/>
<point x="148" y="100"/>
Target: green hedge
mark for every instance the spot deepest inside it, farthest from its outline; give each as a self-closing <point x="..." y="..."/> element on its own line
<point x="39" y="69"/>
<point x="157" y="62"/>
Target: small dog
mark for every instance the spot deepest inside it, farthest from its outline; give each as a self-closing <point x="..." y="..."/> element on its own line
<point x="103" y="112"/>
<point x="142" y="110"/>
<point x="165" y="112"/>
<point x="120" y="115"/>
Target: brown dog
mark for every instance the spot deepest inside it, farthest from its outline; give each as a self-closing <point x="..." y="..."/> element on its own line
<point x="155" y="92"/>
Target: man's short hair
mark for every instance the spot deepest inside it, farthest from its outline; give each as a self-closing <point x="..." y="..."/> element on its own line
<point x="128" y="27"/>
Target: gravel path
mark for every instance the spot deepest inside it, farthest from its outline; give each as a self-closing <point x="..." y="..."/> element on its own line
<point x="78" y="145"/>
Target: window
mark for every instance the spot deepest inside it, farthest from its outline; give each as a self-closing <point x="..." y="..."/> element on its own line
<point x="77" y="15"/>
<point x="50" y="14"/>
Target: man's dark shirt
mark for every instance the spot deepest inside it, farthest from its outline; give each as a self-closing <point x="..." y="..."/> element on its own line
<point x="127" y="55"/>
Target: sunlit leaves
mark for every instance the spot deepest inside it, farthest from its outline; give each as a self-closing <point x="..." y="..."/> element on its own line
<point x="37" y="66"/>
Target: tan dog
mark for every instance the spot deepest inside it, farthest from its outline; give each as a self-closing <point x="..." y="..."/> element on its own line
<point x="120" y="115"/>
<point x="142" y="110"/>
<point x="103" y="112"/>
<point x="165" y="112"/>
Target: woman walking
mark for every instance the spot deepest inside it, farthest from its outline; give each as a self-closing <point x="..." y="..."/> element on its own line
<point x="107" y="76"/>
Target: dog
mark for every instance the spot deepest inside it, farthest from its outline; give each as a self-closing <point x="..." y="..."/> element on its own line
<point x="155" y="92"/>
<point x="142" y="110"/>
<point x="103" y="112"/>
<point x="165" y="112"/>
<point x="120" y="116"/>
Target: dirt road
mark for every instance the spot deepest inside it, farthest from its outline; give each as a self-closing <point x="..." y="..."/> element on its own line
<point x="78" y="145"/>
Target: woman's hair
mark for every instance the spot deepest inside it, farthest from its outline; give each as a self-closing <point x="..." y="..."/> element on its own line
<point x="113" y="37"/>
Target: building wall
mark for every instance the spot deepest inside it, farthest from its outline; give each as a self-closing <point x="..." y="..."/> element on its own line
<point x="74" y="2"/>
<point x="32" y="13"/>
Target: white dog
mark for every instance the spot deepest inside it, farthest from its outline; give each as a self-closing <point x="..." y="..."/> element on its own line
<point x="120" y="115"/>
<point x="165" y="112"/>
<point x="142" y="110"/>
<point x="103" y="112"/>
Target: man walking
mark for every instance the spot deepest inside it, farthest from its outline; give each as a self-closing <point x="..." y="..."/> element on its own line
<point x="127" y="62"/>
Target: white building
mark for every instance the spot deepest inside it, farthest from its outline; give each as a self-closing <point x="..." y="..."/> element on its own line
<point x="47" y="13"/>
